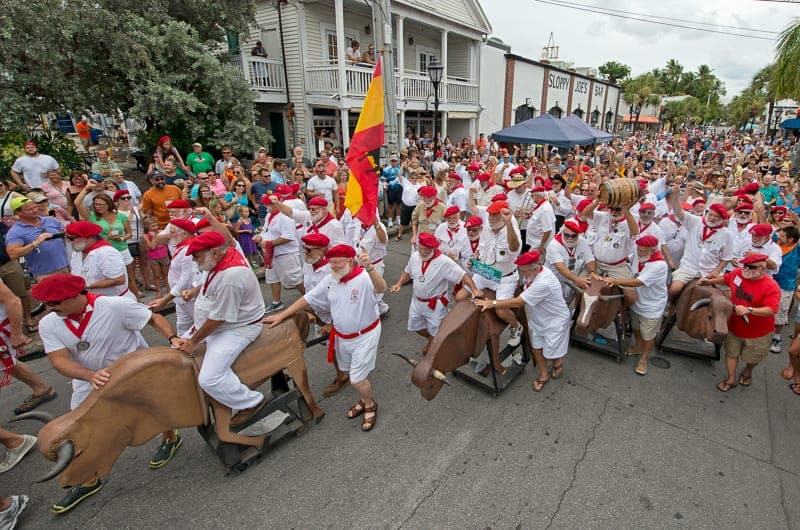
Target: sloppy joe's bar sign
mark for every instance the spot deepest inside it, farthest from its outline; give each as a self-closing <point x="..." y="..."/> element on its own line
<point x="558" y="82"/>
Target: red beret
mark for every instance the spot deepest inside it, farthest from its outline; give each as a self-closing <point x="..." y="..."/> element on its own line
<point x="164" y="139"/>
<point x="205" y="241"/>
<point x="454" y="176"/>
<point x="483" y="177"/>
<point x="698" y="200"/>
<point x="179" y="203"/>
<point x="341" y="251"/>
<point x="58" y="287"/>
<point x="473" y="221"/>
<point x="583" y="204"/>
<point x="575" y="226"/>
<point x="761" y="230"/>
<point x="744" y="207"/>
<point x="779" y="209"/>
<point x="318" y="201"/>
<point x="538" y="189"/>
<point x="719" y="210"/>
<point x="295" y="187"/>
<point x="283" y="190"/>
<point x="642" y="184"/>
<point x="427" y="191"/>
<point x="497" y="207"/>
<point x="528" y="258"/>
<point x="121" y="193"/>
<point x="499" y="197"/>
<point x="647" y="206"/>
<point x="751" y="188"/>
<point x="316" y="239"/>
<point x="687" y="206"/>
<point x="83" y="229"/>
<point x="519" y="170"/>
<point x="452" y="210"/>
<point x="202" y="223"/>
<point x="266" y="199"/>
<point x="474" y="167"/>
<point x="753" y="257"/>
<point x="428" y="240"/>
<point x="184" y="224"/>
<point x="647" y="241"/>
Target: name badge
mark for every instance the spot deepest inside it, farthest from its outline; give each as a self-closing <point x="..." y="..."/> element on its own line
<point x="737" y="281"/>
<point x="431" y="226"/>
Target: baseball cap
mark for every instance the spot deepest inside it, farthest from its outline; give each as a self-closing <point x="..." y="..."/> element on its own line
<point x="18" y="202"/>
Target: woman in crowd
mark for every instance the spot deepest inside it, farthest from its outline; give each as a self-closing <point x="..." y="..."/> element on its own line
<point x="77" y="183"/>
<point x="56" y="190"/>
<point x="123" y="201"/>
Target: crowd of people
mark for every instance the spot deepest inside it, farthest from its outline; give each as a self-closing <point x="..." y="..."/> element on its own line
<point x="504" y="226"/>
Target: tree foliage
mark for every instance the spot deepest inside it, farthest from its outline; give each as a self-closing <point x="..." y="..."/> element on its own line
<point x="684" y="112"/>
<point x="159" y="61"/>
<point x="615" y="71"/>
<point x="786" y="72"/>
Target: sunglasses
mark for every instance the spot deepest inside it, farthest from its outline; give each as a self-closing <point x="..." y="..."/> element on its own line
<point x="752" y="267"/>
<point x="569" y="236"/>
<point x="474" y="229"/>
<point x="241" y="186"/>
<point x="158" y="179"/>
<point x="125" y="198"/>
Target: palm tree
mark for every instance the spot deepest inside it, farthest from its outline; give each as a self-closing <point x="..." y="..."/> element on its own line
<point x="763" y="83"/>
<point x="672" y="77"/>
<point x="786" y="72"/>
<point x="641" y="91"/>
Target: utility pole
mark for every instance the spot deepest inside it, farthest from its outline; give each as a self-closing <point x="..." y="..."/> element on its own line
<point x="382" y="29"/>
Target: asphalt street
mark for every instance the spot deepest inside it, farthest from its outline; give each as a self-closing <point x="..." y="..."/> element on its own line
<point x="599" y="448"/>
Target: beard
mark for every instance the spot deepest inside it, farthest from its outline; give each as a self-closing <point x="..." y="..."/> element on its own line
<point x="714" y="225"/>
<point x="570" y="243"/>
<point x="452" y="224"/>
<point x="338" y="275"/>
<point x="319" y="216"/>
<point x="497" y="225"/>
<point x="207" y="263"/>
<point x="310" y="259"/>
<point x="78" y="245"/>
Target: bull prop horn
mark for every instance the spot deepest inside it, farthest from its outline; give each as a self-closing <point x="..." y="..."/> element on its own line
<point x="436" y="374"/>
<point x="37" y="415"/>
<point x="65" y="453"/>
<point x="703" y="302"/>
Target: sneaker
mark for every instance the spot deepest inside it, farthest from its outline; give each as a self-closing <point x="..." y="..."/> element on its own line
<point x="776" y="346"/>
<point x="478" y="366"/>
<point x="75" y="496"/>
<point x="275" y="306"/>
<point x="15" y="456"/>
<point x="516" y="336"/>
<point x="383" y="307"/>
<point x="390" y="224"/>
<point x="9" y="516"/>
<point x="165" y="452"/>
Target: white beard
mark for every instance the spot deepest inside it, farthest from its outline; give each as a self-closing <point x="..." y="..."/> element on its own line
<point x="206" y="264"/>
<point x="497" y="226"/>
<point x="338" y="275"/>
<point x="78" y="246"/>
<point x="308" y="258"/>
<point x="452" y="226"/>
<point x="319" y="217"/>
<point x="570" y="243"/>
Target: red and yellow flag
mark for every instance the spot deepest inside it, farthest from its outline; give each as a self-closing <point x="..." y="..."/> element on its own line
<point x="362" y="158"/>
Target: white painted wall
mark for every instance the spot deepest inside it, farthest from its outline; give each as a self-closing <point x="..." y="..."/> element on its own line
<point x="580" y="94"/>
<point x="492" y="94"/>
<point x="528" y="83"/>
<point x="557" y="90"/>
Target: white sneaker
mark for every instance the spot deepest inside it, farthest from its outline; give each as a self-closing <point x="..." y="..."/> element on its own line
<point x="517" y="358"/>
<point x="383" y="307"/>
<point x="776" y="346"/>
<point x="390" y="224"/>
<point x="15" y="456"/>
<point x="516" y="336"/>
<point x="9" y="516"/>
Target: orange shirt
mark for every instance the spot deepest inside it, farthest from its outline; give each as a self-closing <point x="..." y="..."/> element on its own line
<point x="83" y="129"/>
<point x="154" y="202"/>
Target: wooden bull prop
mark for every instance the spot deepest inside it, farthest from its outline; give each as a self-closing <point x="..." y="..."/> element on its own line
<point x="702" y="312"/>
<point x="155" y="390"/>
<point x="598" y="306"/>
<point x="462" y="334"/>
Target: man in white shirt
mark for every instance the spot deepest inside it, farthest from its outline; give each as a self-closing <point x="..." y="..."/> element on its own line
<point x="568" y="256"/>
<point x="740" y="223"/>
<point x="451" y="234"/>
<point x="456" y="192"/>
<point x="96" y="261"/>
<point x="372" y="239"/>
<point x="486" y="190"/>
<point x="541" y="222"/>
<point x="317" y="219"/>
<point x="349" y="294"/>
<point x="321" y="185"/>
<point x="227" y="317"/>
<point x="82" y="336"/>
<point x="760" y="242"/>
<point x="281" y="253"/>
<point x="432" y="274"/>
<point x="650" y="282"/>
<point x="547" y="314"/>
<point x="30" y="169"/>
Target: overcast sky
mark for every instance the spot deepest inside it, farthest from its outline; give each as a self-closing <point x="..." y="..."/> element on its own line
<point x="590" y="39"/>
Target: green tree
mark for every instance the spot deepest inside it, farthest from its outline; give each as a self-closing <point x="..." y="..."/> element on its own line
<point x="615" y="71"/>
<point x="680" y="113"/>
<point x="744" y="108"/>
<point x="159" y="61"/>
<point x="641" y="91"/>
<point x="671" y="79"/>
<point x="785" y="75"/>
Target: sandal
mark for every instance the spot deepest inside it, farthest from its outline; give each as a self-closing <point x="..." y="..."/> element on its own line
<point x="335" y="387"/>
<point x="724" y="386"/>
<point x="787" y="373"/>
<point x="558" y="371"/>
<point x="356" y="410"/>
<point x="368" y="423"/>
<point x="34" y="401"/>
<point x="795" y="388"/>
<point x="745" y="381"/>
<point x="538" y="384"/>
<point x="32" y="328"/>
<point x="398" y="238"/>
<point x="641" y="368"/>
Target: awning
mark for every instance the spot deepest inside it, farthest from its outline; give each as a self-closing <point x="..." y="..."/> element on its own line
<point x="455" y="115"/>
<point x="644" y="118"/>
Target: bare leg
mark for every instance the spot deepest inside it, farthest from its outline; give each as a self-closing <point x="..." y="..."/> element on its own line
<point x="301" y="288"/>
<point x="10" y="439"/>
<point x="132" y="287"/>
<point x="26" y="310"/>
<point x="507" y="316"/>
<point x="646" y="348"/>
<point x="30" y="378"/>
<point x="428" y="336"/>
<point x="275" y="290"/>
<point x="731" y="363"/>
<point x="364" y="390"/>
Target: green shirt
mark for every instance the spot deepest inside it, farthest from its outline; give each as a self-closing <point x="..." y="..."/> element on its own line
<point x="118" y="227"/>
<point x="200" y="162"/>
<point x="769" y="194"/>
<point x="107" y="167"/>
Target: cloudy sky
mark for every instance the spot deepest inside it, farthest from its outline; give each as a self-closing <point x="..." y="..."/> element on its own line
<point x="590" y="39"/>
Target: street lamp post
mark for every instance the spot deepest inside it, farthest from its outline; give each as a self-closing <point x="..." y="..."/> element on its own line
<point x="435" y="74"/>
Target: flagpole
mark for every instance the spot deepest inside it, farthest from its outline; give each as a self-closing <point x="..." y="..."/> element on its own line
<point x="382" y="24"/>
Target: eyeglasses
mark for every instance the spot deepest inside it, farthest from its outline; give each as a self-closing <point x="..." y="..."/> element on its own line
<point x="753" y="267"/>
<point x="125" y="198"/>
<point x="241" y="186"/>
<point x="569" y="236"/>
<point x="474" y="229"/>
<point x="159" y="179"/>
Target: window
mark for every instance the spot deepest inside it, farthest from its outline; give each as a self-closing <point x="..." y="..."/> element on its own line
<point x="271" y="42"/>
<point x="329" y="42"/>
<point x="425" y="56"/>
<point x="524" y="112"/>
<point x="609" y="118"/>
<point x="555" y="112"/>
<point x="595" y="117"/>
<point x="579" y="113"/>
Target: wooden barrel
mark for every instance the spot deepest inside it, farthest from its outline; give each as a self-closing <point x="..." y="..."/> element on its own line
<point x="619" y="193"/>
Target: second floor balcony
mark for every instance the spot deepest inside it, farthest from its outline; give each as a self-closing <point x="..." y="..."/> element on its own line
<point x="265" y="77"/>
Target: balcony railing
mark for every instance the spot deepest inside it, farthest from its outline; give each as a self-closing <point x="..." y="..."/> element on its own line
<point x="323" y="79"/>
<point x="263" y="75"/>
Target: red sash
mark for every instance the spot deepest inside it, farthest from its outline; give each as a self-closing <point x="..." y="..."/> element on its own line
<point x="431" y="302"/>
<point x="231" y="259"/>
<point x="7" y="355"/>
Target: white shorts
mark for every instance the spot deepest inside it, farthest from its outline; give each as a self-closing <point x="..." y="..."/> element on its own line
<point x="682" y="274"/>
<point x="621" y="271"/>
<point x="553" y="345"/>
<point x="782" y="318"/>
<point x="287" y="270"/>
<point x="503" y="290"/>
<point x="420" y="316"/>
<point x="357" y="356"/>
<point x="127" y="259"/>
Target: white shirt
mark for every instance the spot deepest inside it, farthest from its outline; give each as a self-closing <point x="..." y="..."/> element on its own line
<point x="284" y="227"/>
<point x="547" y="312"/>
<point x="33" y="168"/>
<point x="652" y="294"/>
<point x="440" y="274"/>
<point x="352" y="304"/>
<point x="367" y="241"/>
<point x="182" y="273"/>
<point x="739" y="237"/>
<point x="611" y="241"/>
<point x="704" y="256"/>
<point x="674" y="238"/>
<point x="574" y="259"/>
<point x="326" y="186"/>
<point x="102" y="263"/>
<point x="232" y="295"/>
<point x="332" y="228"/>
<point x="112" y="331"/>
<point x="517" y="200"/>
<point x="452" y="242"/>
<point x="770" y="248"/>
<point x="543" y="219"/>
<point x="458" y="197"/>
<point x="484" y="196"/>
<point x="410" y="195"/>
<point x="311" y="278"/>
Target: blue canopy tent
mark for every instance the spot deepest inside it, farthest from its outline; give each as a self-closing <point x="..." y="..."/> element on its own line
<point x="579" y="124"/>
<point x="544" y="129"/>
<point x="792" y="123"/>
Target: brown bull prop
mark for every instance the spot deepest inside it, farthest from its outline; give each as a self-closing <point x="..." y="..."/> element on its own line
<point x="462" y="334"/>
<point x="599" y="306"/>
<point x="702" y="312"/>
<point x="154" y="390"/>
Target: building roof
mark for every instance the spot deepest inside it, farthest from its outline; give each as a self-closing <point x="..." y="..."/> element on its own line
<point x="467" y="13"/>
<point x="644" y="118"/>
<point x="554" y="67"/>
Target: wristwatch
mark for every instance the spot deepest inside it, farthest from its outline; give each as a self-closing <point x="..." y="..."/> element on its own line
<point x="749" y="310"/>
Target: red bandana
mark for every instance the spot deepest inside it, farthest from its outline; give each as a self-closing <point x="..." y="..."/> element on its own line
<point x="97" y="244"/>
<point x="709" y="231"/>
<point x="231" y="259"/>
<point x="427" y="263"/>
<point x="474" y="245"/>
<point x="560" y="240"/>
<point x="314" y="228"/>
<point x="82" y="319"/>
<point x="655" y="256"/>
<point x="321" y="263"/>
<point x="352" y="274"/>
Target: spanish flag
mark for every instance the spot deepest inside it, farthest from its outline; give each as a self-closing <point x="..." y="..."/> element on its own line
<point x="362" y="158"/>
